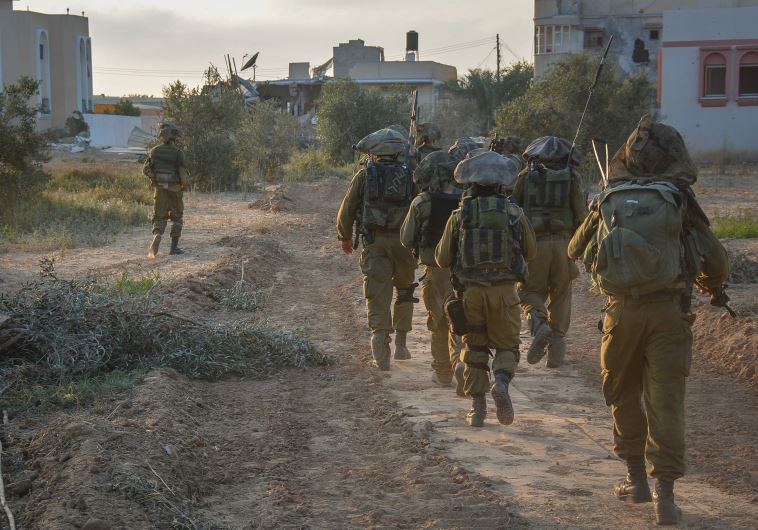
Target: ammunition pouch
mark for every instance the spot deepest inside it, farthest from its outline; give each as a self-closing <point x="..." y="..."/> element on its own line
<point x="405" y="296"/>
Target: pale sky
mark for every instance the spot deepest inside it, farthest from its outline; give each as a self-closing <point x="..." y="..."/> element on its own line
<point x="139" y="46"/>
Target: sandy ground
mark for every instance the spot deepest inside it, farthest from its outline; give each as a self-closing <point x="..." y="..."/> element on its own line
<point x="347" y="446"/>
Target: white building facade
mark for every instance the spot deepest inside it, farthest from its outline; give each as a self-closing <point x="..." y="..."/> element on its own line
<point x="708" y="84"/>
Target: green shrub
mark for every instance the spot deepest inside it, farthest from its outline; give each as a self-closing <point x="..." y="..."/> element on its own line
<point x="125" y="284"/>
<point x="740" y="226"/>
<point x="310" y="164"/>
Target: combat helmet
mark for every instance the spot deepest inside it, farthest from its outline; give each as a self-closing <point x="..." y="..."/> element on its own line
<point x="551" y="150"/>
<point x="399" y="128"/>
<point x="168" y="131"/>
<point x="384" y="142"/>
<point x="487" y="169"/>
<point x="434" y="171"/>
<point x="653" y="151"/>
<point x="462" y="147"/>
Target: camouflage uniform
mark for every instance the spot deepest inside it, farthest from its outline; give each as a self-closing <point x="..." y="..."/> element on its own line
<point x="421" y="232"/>
<point x="647" y="340"/>
<point x="384" y="261"/>
<point x="490" y="301"/>
<point x="546" y="293"/>
<point x="428" y="135"/>
<point x="167" y="172"/>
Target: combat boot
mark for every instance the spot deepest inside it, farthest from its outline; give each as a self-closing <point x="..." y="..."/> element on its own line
<point x="634" y="489"/>
<point x="666" y="511"/>
<point x="475" y="417"/>
<point x="152" y="250"/>
<point x="542" y="336"/>
<point x="175" y="247"/>
<point x="556" y="350"/>
<point x="401" y="350"/>
<point x="503" y="402"/>
<point x="380" y="349"/>
<point x="441" y="379"/>
<point x="459" y="379"/>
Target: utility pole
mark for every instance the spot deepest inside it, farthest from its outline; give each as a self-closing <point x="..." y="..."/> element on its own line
<point x="497" y="40"/>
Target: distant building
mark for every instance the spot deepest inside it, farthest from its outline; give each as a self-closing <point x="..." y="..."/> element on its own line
<point x="366" y="65"/>
<point x="56" y="50"/>
<point x="702" y="55"/>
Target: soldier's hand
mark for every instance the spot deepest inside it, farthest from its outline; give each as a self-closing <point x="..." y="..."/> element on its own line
<point x="347" y="246"/>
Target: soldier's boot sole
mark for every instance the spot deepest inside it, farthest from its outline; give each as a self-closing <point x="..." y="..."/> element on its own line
<point x="503" y="404"/>
<point x="633" y="491"/>
<point x="459" y="379"/>
<point x="152" y="250"/>
<point x="539" y="344"/>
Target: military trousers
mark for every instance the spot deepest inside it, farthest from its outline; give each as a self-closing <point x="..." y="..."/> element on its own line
<point x="168" y="205"/>
<point x="446" y="347"/>
<point x="387" y="264"/>
<point x="645" y="357"/>
<point x="494" y="315"/>
<point x="546" y="293"/>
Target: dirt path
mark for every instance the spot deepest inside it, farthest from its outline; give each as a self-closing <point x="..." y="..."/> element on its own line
<point x="347" y="446"/>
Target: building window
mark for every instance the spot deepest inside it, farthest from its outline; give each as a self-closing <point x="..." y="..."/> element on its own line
<point x="655" y="34"/>
<point x="593" y="38"/>
<point x="42" y="72"/>
<point x="714" y="82"/>
<point x="551" y="39"/>
<point x="748" y="84"/>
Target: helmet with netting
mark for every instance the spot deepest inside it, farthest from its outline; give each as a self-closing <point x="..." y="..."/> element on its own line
<point x="462" y="147"/>
<point x="383" y="142"/>
<point x="434" y="171"/>
<point x="487" y="168"/>
<point x="552" y="150"/>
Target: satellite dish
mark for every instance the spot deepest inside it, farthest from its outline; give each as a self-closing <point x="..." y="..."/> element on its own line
<point x="250" y="62"/>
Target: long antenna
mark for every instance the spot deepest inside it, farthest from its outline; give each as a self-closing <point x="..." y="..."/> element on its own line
<point x="497" y="41"/>
<point x="589" y="98"/>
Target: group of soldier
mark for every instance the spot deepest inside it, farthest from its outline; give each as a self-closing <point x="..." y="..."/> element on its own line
<point x="497" y="232"/>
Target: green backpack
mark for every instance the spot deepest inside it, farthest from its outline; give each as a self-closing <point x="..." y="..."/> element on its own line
<point x="387" y="196"/>
<point x="638" y="246"/>
<point x="547" y="200"/>
<point x="489" y="241"/>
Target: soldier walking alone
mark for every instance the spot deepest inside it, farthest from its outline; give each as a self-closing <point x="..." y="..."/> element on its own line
<point x="647" y="241"/>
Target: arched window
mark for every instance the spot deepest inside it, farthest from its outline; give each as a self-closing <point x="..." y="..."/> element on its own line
<point x="42" y="71"/>
<point x="747" y="86"/>
<point x="714" y="76"/>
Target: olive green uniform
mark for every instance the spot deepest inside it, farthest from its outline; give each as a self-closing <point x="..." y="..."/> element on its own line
<point x="385" y="263"/>
<point x="546" y="292"/>
<point x="492" y="308"/>
<point x="166" y="170"/>
<point x="646" y="352"/>
<point x="435" y="288"/>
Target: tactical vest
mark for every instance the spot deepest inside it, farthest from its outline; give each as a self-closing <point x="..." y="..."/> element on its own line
<point x="489" y="241"/>
<point x="638" y="245"/>
<point x="442" y="206"/>
<point x="388" y="193"/>
<point x="164" y="161"/>
<point x="547" y="200"/>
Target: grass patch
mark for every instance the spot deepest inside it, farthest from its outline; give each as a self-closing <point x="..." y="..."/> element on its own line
<point x="78" y="207"/>
<point x="741" y="226"/>
<point x="125" y="284"/>
<point x="241" y="297"/>
<point x="64" y="335"/>
<point x="312" y="164"/>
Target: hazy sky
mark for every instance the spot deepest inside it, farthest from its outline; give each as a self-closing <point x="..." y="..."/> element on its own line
<point x="139" y="46"/>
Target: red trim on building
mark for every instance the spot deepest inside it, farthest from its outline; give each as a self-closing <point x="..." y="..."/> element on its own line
<point x="706" y="43"/>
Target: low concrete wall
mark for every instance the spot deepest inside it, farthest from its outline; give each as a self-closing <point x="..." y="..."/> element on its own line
<point x="111" y="131"/>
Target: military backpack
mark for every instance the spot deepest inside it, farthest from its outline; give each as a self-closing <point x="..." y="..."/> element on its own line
<point x="442" y="206"/>
<point x="489" y="241"/>
<point x="388" y="193"/>
<point x="547" y="200"/>
<point x="638" y="244"/>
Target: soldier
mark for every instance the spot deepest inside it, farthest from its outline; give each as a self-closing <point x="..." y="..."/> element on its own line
<point x="550" y="193"/>
<point x="509" y="145"/>
<point x="646" y="241"/>
<point x="426" y="142"/>
<point x="378" y="199"/>
<point x="421" y="231"/>
<point x="165" y="169"/>
<point x="486" y="242"/>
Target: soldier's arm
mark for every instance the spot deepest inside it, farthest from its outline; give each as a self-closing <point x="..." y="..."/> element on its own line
<point x="351" y="203"/>
<point x="578" y="203"/>
<point x="408" y="230"/>
<point x="583" y="235"/>
<point x="528" y="239"/>
<point x="147" y="167"/>
<point x="444" y="254"/>
<point x="183" y="173"/>
<point x="715" y="264"/>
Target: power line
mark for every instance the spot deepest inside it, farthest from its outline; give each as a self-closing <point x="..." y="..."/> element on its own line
<point x="487" y="57"/>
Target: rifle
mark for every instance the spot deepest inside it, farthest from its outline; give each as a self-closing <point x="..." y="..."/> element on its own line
<point x="589" y="97"/>
<point x="719" y="298"/>
<point x="601" y="158"/>
<point x="413" y="128"/>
